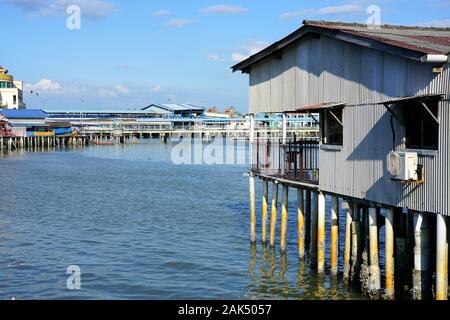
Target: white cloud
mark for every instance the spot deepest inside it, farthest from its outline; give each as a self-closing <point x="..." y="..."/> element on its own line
<point x="325" y="11"/>
<point x="178" y="23"/>
<point x="248" y="49"/>
<point x="122" y="90"/>
<point x="106" y="93"/>
<point x="223" y="9"/>
<point x="161" y="13"/>
<point x="94" y="9"/>
<point x="43" y="85"/>
<point x="444" y="23"/>
<point x="155" y="89"/>
<point x="213" y="57"/>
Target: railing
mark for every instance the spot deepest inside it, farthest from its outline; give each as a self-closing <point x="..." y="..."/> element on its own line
<point x="296" y="160"/>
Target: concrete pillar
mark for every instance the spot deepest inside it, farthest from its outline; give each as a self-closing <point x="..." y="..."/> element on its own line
<point x="301" y="223"/>
<point x="389" y="247"/>
<point x="314" y="226"/>
<point x="421" y="284"/>
<point x="307" y="218"/>
<point x="441" y="258"/>
<point x="375" y="280"/>
<point x="348" y="239"/>
<point x="264" y="210"/>
<point x="355" y="263"/>
<point x="273" y="216"/>
<point x="252" y="209"/>
<point x="321" y="233"/>
<point x="284" y="218"/>
<point x="334" y="236"/>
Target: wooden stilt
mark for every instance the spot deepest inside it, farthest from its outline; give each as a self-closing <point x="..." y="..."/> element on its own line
<point x="348" y="239"/>
<point x="301" y="223"/>
<point x="284" y="218"/>
<point x="252" y="209"/>
<point x="375" y="280"/>
<point x="273" y="216"/>
<point x="264" y="211"/>
<point x="389" y="247"/>
<point x="314" y="226"/>
<point x="334" y="236"/>
<point x="441" y="258"/>
<point x="321" y="233"/>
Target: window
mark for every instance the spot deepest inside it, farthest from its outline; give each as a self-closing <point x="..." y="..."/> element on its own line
<point x="332" y="126"/>
<point x="14" y="99"/>
<point x="421" y="128"/>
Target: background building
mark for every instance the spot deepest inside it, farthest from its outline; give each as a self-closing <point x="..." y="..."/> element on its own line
<point x="11" y="91"/>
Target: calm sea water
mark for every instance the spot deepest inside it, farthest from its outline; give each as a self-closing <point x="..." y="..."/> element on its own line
<point x="139" y="227"/>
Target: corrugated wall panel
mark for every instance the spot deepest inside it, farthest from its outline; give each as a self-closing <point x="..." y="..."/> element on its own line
<point x="325" y="70"/>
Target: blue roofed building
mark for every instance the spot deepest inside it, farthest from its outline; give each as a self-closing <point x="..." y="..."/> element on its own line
<point x="176" y="110"/>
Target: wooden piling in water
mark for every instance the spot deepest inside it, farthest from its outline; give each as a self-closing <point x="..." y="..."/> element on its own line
<point x="300" y="223"/>
<point x="252" y="209"/>
<point x="441" y="258"/>
<point x="420" y="274"/>
<point x="375" y="280"/>
<point x="321" y="233"/>
<point x="284" y="218"/>
<point x="264" y="211"/>
<point x="348" y="239"/>
<point x="307" y="218"/>
<point x="273" y="215"/>
<point x="355" y="250"/>
<point x="314" y="226"/>
<point x="334" y="221"/>
<point x="389" y="249"/>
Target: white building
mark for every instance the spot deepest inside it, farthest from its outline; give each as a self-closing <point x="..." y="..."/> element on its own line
<point x="11" y="91"/>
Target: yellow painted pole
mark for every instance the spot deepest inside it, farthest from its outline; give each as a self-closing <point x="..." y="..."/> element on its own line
<point x="284" y="218"/>
<point x="314" y="217"/>
<point x="273" y="216"/>
<point x="301" y="224"/>
<point x="375" y="281"/>
<point x="252" y="209"/>
<point x="441" y="257"/>
<point x="264" y="210"/>
<point x="335" y="236"/>
<point x="321" y="233"/>
<point x="348" y="240"/>
<point x="308" y="218"/>
<point x="389" y="239"/>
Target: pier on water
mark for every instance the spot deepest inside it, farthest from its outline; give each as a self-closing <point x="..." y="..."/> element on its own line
<point x="414" y="261"/>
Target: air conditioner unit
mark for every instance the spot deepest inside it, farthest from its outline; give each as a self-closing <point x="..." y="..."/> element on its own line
<point x="403" y="166"/>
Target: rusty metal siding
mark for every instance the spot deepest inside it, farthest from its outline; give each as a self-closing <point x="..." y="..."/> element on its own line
<point x="331" y="70"/>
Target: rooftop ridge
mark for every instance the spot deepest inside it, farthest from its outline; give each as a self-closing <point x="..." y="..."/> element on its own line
<point x="363" y="25"/>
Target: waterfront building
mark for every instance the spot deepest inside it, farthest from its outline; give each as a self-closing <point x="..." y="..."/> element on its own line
<point x="382" y="93"/>
<point x="11" y="91"/>
<point x="176" y="110"/>
<point x="27" y="123"/>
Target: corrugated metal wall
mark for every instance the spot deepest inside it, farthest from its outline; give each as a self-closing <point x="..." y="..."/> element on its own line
<point x="329" y="70"/>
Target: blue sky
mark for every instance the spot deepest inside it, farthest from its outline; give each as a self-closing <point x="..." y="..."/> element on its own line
<point x="129" y="54"/>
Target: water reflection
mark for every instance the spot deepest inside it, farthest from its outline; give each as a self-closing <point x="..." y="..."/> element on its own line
<point x="276" y="275"/>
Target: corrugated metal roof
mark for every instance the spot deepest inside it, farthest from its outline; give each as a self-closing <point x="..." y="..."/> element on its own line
<point x="98" y="111"/>
<point x="421" y="39"/>
<point x="407" y="41"/>
<point x="174" y="107"/>
<point x="23" y="114"/>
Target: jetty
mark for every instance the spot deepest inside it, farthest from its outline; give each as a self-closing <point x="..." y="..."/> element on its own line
<point x="382" y="159"/>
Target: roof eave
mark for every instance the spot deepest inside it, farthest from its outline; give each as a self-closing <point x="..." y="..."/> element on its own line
<point x="360" y="40"/>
